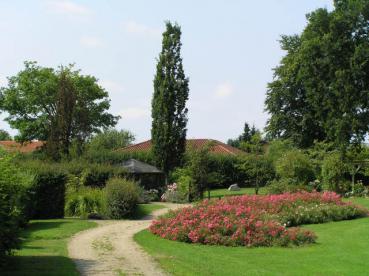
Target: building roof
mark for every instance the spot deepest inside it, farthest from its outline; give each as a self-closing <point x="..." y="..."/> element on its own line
<point x="216" y="147"/>
<point x="21" y="147"/>
<point x="135" y="166"/>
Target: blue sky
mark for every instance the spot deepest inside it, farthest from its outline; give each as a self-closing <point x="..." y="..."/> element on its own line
<point x="229" y="50"/>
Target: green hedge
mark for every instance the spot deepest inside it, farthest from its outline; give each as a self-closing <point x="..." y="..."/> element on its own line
<point x="48" y="194"/>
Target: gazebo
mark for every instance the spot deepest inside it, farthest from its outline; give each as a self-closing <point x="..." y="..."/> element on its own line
<point x="148" y="176"/>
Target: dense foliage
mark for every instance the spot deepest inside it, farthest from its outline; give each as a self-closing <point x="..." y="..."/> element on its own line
<point x="58" y="106"/>
<point x="122" y="197"/>
<point x="13" y="203"/>
<point x="320" y="89"/>
<point x="254" y="220"/>
<point x="4" y="135"/>
<point x="169" y="112"/>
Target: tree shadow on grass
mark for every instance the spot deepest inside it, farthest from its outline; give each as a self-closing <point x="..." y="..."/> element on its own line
<point x="40" y="225"/>
<point x="40" y="265"/>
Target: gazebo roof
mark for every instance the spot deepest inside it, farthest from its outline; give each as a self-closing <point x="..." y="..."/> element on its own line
<point x="135" y="166"/>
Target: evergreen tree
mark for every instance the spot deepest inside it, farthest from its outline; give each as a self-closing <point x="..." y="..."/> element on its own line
<point x="169" y="112"/>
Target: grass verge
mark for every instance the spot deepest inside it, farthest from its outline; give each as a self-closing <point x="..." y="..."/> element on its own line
<point x="44" y="248"/>
<point x="144" y="210"/>
<point x="340" y="250"/>
<point x="242" y="191"/>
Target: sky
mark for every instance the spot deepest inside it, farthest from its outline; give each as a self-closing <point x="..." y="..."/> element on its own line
<point x="229" y="50"/>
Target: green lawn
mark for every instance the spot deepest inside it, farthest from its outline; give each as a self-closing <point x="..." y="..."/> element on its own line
<point x="225" y="192"/>
<point x="342" y="249"/>
<point x="44" y="248"/>
<point x="145" y="210"/>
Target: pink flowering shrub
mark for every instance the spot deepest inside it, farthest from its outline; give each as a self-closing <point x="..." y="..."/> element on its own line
<point x="254" y="220"/>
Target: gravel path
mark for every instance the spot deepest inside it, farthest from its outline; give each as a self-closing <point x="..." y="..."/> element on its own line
<point x="109" y="249"/>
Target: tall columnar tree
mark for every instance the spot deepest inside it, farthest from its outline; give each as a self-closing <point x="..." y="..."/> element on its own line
<point x="169" y="112"/>
<point x="320" y="89"/>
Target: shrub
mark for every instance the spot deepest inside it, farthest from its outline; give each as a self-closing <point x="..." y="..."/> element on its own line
<point x="13" y="203"/>
<point x="121" y="197"/>
<point x="174" y="194"/>
<point x="147" y="196"/>
<point x="85" y="202"/>
<point x="295" y="166"/>
<point x="254" y="220"/>
<point x="333" y="170"/>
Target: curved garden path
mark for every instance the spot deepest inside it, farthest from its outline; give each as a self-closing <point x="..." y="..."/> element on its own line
<point x="109" y="249"/>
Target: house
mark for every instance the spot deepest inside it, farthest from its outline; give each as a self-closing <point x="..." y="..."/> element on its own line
<point x="25" y="147"/>
<point x="216" y="147"/>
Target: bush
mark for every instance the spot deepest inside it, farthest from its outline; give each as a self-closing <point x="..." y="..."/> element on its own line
<point x="85" y="202"/>
<point x="174" y="194"/>
<point x="333" y="170"/>
<point x="121" y="196"/>
<point x="13" y="203"/>
<point x="295" y="166"/>
<point x="254" y="220"/>
<point x="147" y="196"/>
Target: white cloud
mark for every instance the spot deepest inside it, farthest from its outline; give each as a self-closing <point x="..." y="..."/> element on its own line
<point x="90" y="42"/>
<point x="134" y="113"/>
<point x="223" y="90"/>
<point x="68" y="7"/>
<point x="111" y="86"/>
<point x="136" y="28"/>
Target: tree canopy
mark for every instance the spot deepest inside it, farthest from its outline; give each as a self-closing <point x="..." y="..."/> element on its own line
<point x="55" y="104"/>
<point x="169" y="112"/>
<point x="320" y="89"/>
<point x="4" y="135"/>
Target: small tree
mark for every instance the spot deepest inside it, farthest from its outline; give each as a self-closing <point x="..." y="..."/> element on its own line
<point x="258" y="169"/>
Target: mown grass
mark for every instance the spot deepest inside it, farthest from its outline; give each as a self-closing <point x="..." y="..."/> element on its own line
<point x="341" y="249"/>
<point x="225" y="192"/>
<point x="44" y="248"/>
<point x="144" y="210"/>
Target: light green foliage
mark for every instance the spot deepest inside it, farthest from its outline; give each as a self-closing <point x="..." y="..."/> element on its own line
<point x="277" y="148"/>
<point x="333" y="170"/>
<point x="13" y="203"/>
<point x="110" y="139"/>
<point x="121" y="197"/>
<point x="169" y="112"/>
<point x="85" y="202"/>
<point x="295" y="166"/>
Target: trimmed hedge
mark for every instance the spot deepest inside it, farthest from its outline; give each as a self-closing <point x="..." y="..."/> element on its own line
<point x="48" y="194"/>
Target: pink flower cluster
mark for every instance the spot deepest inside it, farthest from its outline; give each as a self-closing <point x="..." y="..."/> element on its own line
<point x="241" y="220"/>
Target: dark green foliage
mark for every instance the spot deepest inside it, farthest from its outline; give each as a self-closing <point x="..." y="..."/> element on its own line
<point x="319" y="91"/>
<point x="121" y="196"/>
<point x="169" y="112"/>
<point x="57" y="105"/>
<point x="245" y="138"/>
<point x="4" y="135"/>
<point x="13" y="201"/>
<point x="48" y="193"/>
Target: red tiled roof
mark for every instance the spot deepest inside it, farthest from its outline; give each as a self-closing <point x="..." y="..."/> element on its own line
<point x="217" y="147"/>
<point x="21" y="147"/>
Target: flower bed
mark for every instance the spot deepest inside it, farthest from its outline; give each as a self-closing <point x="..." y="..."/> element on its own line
<point x="254" y="220"/>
